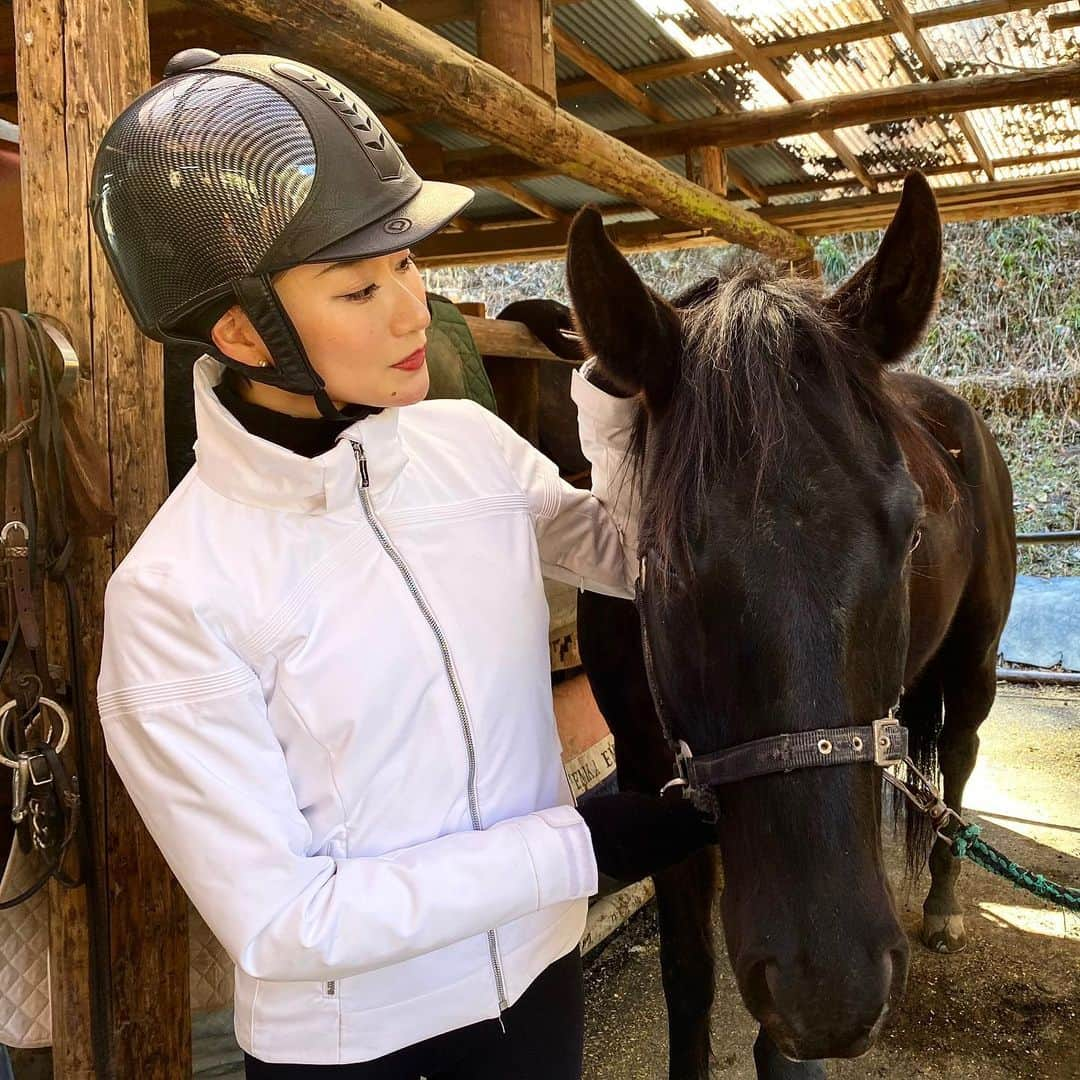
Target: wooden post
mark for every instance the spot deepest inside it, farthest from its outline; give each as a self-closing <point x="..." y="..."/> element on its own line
<point x="707" y="166"/>
<point x="510" y="35"/>
<point x="78" y="64"/>
<point x="515" y="36"/>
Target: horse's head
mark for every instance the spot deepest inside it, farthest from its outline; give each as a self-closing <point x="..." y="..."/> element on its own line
<point x="778" y="514"/>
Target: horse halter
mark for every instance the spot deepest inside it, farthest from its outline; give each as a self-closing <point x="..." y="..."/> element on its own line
<point x="883" y="743"/>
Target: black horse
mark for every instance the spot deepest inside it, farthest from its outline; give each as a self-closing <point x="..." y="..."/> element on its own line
<point x="823" y="532"/>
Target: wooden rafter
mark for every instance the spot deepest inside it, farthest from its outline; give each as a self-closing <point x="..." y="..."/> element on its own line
<point x="802" y="187"/>
<point x="173" y="29"/>
<point x="1003" y="198"/>
<point x="607" y="76"/>
<point x="807" y="43"/>
<point x="526" y="199"/>
<point x="382" y="48"/>
<point x="815" y="114"/>
<point x="714" y="19"/>
<point x="1063" y="20"/>
<point x="902" y="18"/>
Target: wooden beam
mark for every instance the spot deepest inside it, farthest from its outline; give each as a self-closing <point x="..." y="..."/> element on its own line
<point x="902" y="18"/>
<point x="1056" y="193"/>
<point x="1003" y="198"/>
<point x="623" y="89"/>
<point x="713" y="19"/>
<point x="387" y="50"/>
<point x="815" y="114"/>
<point x="78" y="64"/>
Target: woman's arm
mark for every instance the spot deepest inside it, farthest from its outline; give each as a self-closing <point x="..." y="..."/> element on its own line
<point x="186" y="727"/>
<point x="586" y="538"/>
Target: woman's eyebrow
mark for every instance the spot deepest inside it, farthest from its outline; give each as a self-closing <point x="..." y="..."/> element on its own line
<point x="339" y="266"/>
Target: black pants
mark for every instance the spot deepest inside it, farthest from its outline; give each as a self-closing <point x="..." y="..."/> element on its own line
<point x="543" y="1041"/>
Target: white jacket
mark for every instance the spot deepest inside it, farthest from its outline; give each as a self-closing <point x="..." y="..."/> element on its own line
<point x="331" y="705"/>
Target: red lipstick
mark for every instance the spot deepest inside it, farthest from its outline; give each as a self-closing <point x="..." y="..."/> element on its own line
<point x="413" y="361"/>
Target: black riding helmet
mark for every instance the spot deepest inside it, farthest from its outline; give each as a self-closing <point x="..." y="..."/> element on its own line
<point x="234" y="168"/>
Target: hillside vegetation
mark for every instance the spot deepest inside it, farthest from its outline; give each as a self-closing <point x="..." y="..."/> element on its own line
<point x="1010" y="305"/>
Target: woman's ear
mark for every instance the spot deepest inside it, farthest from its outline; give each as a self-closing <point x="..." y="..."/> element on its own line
<point x="892" y="297"/>
<point x="237" y="338"/>
<point x="633" y="332"/>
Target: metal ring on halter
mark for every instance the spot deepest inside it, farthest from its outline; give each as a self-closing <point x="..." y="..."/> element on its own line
<point x="8" y="754"/>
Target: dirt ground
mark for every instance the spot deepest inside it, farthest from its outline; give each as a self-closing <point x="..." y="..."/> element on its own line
<point x="1006" y="1007"/>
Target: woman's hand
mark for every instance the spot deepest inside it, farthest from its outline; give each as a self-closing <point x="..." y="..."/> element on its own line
<point x="634" y="835"/>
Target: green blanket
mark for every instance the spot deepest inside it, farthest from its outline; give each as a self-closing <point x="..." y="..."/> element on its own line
<point x="454" y="364"/>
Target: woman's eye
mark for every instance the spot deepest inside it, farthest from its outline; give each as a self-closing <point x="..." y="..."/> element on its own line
<point x="362" y="294"/>
<point x="406" y="262"/>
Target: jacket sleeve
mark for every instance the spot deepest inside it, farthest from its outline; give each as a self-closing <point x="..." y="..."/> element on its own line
<point x="187" y="729"/>
<point x="586" y="538"/>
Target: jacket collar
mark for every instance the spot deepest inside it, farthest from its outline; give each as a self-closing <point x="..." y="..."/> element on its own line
<point x="251" y="470"/>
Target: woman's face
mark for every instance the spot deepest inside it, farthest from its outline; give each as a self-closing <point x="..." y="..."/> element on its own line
<point x="358" y="321"/>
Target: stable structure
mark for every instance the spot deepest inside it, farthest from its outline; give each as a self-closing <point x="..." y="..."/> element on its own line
<point x="761" y="123"/>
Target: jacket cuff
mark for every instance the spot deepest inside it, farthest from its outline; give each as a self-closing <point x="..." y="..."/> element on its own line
<point x="561" y="850"/>
<point x="600" y="406"/>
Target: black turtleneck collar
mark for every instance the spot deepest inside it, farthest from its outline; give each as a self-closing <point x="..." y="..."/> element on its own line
<point x="308" y="436"/>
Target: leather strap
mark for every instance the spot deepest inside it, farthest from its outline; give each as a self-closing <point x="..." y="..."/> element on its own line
<point x="883" y="743"/>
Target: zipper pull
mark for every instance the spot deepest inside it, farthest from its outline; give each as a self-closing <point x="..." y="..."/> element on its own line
<point x="361" y="462"/>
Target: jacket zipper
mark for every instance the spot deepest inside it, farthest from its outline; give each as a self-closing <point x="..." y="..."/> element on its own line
<point x="451" y="674"/>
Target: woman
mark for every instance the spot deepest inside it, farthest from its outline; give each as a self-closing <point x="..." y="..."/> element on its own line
<point x="325" y="676"/>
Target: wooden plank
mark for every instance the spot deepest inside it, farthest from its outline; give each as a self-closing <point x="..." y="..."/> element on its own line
<point x="387" y="50"/>
<point x="504" y="338"/>
<point x="814" y="114"/>
<point x="902" y="18"/>
<point x="73" y="79"/>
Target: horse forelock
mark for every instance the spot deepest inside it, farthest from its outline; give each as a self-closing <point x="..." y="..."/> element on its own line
<point x="750" y="348"/>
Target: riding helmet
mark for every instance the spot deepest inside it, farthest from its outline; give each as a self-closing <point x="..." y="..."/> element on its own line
<point x="233" y="168"/>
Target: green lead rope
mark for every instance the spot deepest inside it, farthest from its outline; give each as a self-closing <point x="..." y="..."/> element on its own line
<point x="966" y="844"/>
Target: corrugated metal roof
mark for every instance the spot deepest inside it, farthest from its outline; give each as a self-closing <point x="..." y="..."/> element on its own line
<point x="631" y="33"/>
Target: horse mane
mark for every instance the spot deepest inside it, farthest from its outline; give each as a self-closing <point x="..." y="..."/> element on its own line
<point x="748" y="345"/>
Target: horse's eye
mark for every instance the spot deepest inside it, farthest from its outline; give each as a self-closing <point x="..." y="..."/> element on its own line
<point x="916" y="540"/>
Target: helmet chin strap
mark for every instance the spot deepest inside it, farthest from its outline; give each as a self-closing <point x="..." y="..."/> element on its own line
<point x="291" y="370"/>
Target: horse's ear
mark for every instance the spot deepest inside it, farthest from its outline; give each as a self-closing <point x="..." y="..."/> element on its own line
<point x="633" y="332"/>
<point x="892" y="297"/>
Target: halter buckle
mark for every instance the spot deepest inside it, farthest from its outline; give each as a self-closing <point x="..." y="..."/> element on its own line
<point x="890" y="742"/>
